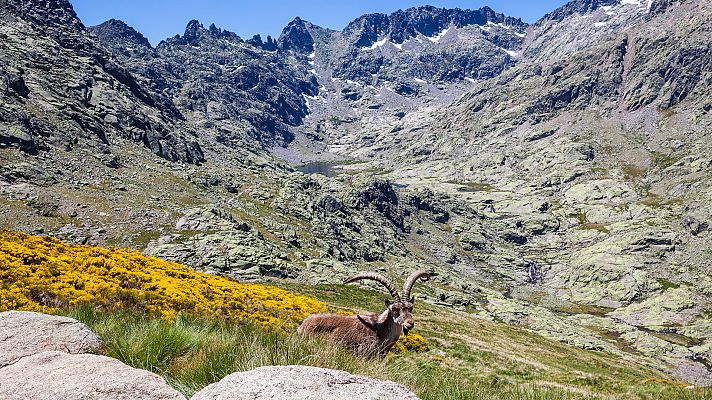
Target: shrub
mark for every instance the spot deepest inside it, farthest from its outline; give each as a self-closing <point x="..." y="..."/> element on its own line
<point x="410" y="342"/>
<point x="44" y="274"/>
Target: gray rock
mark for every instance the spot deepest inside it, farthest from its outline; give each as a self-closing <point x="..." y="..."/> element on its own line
<point x="300" y="382"/>
<point x="694" y="225"/>
<point x="23" y="334"/>
<point x="56" y="375"/>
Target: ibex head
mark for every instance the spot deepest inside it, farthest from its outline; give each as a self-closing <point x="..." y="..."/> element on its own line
<point x="399" y="309"/>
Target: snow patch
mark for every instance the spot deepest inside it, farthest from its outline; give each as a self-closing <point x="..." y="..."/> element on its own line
<point x="312" y="54"/>
<point x="377" y="44"/>
<point x="510" y="52"/>
<point x="491" y="24"/>
<point x="438" y="37"/>
<point x="470" y="79"/>
<point x="600" y="24"/>
<point x="312" y="71"/>
<point x="640" y="3"/>
<point x="308" y="100"/>
<point x="420" y="80"/>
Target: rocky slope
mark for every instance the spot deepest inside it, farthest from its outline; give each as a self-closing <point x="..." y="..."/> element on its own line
<point x="594" y="148"/>
<point x="313" y="80"/>
<point x="553" y="174"/>
<point x="63" y="90"/>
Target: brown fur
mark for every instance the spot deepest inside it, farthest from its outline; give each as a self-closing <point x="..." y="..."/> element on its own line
<point x="366" y="335"/>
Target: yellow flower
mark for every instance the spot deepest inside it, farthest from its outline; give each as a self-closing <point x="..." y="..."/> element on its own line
<point x="41" y="274"/>
<point x="410" y="342"/>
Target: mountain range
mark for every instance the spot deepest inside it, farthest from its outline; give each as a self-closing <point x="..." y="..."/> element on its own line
<point x="555" y="175"/>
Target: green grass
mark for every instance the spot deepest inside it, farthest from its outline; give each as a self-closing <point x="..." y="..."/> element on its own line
<point x="468" y="358"/>
<point x="634" y="173"/>
<point x="192" y="353"/>
<point x="595" y="227"/>
<point x="144" y="238"/>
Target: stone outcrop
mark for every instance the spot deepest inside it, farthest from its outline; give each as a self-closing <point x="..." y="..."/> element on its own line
<point x="301" y="383"/>
<point x="24" y="333"/>
<point x="56" y="375"/>
<point x="42" y="357"/>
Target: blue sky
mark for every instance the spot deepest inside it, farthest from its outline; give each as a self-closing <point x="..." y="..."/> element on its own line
<point x="160" y="19"/>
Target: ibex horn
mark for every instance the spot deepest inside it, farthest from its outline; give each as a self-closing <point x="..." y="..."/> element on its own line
<point x="411" y="281"/>
<point x="378" y="278"/>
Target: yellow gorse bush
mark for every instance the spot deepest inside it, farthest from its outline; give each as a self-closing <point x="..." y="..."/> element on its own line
<point x="43" y="274"/>
<point x="410" y="342"/>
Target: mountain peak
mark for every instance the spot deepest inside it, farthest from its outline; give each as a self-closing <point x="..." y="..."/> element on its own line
<point x="269" y="45"/>
<point x="576" y="7"/>
<point x="195" y="32"/>
<point x="296" y="36"/>
<point x="116" y="30"/>
<point x="44" y="12"/>
<point x="426" y="20"/>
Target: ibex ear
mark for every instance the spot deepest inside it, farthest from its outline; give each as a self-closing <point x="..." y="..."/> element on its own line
<point x="412" y="300"/>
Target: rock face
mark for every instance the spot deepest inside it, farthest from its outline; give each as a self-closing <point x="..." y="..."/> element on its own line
<point x="301" y="383"/>
<point x="56" y="375"/>
<point x="23" y="334"/>
<point x="91" y="102"/>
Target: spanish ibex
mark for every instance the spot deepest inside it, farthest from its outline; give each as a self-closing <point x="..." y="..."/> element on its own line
<point x="373" y="334"/>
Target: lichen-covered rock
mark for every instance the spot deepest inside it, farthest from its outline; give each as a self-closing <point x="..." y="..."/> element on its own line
<point x="301" y="383"/>
<point x="56" y="375"/>
<point x="24" y="333"/>
<point x="89" y="103"/>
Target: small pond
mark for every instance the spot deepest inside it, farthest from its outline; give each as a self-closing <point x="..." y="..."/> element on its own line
<point x="326" y="168"/>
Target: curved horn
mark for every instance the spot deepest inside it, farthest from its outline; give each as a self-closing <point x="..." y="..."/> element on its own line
<point x="378" y="278"/>
<point x="411" y="281"/>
